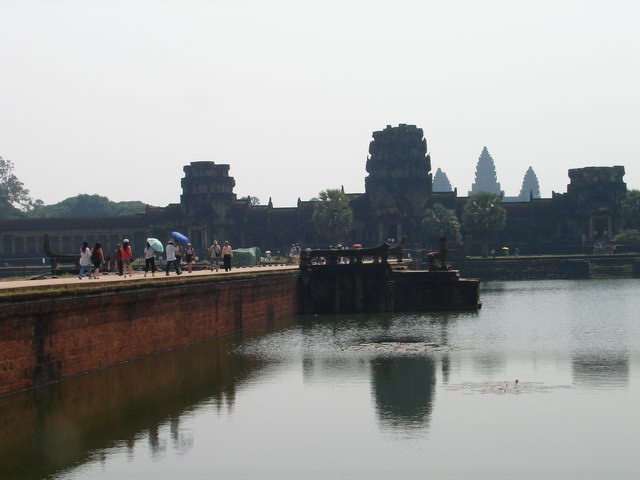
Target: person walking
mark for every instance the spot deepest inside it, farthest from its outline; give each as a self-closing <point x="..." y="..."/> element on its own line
<point x="117" y="258"/>
<point x="97" y="258"/>
<point x="127" y="257"/>
<point x="216" y="252"/>
<point x="170" y="252"/>
<point x="149" y="260"/>
<point x="227" y="255"/>
<point x="189" y="255"/>
<point x="85" y="261"/>
<point x="179" y="252"/>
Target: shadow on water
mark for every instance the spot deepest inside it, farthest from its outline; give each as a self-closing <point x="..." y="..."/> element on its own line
<point x="53" y="429"/>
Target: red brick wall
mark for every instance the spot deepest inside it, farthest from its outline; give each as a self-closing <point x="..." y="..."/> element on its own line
<point x="51" y="336"/>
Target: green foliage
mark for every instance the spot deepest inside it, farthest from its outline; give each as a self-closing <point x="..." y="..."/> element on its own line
<point x="438" y="221"/>
<point x="84" y="205"/>
<point x="483" y="213"/>
<point x="332" y="215"/>
<point x="14" y="198"/>
<point x="9" y="211"/>
<point x="631" y="209"/>
<point x="253" y="201"/>
<point x="628" y="237"/>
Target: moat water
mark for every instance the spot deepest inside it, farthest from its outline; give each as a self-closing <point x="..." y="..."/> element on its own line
<point x="542" y="382"/>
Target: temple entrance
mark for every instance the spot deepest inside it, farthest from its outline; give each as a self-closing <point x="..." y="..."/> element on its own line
<point x="600" y="228"/>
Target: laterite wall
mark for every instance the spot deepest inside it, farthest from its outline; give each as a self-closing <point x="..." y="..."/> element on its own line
<point x="49" y="336"/>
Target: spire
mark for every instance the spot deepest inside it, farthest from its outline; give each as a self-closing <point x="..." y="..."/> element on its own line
<point x="530" y="187"/>
<point x="486" y="180"/>
<point x="441" y="182"/>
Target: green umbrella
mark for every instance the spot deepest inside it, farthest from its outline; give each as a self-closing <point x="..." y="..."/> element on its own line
<point x="155" y="244"/>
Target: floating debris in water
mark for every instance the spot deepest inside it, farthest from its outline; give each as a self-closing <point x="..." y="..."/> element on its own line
<point x="514" y="387"/>
<point x="399" y="347"/>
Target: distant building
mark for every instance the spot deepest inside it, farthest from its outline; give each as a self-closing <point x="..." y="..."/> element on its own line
<point x="486" y="180"/>
<point x="441" y="182"/>
<point x="398" y="190"/>
<point x="530" y="187"/>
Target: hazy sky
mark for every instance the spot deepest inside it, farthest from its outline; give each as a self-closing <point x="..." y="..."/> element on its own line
<point x="115" y="97"/>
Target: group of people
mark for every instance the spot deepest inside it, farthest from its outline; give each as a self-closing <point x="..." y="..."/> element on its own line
<point x="91" y="259"/>
<point x="224" y="253"/>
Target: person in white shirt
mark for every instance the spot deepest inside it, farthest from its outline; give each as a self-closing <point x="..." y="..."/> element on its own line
<point x="216" y="252"/>
<point x="85" y="261"/>
<point x="170" y="251"/>
<point x="149" y="260"/>
<point x="227" y="255"/>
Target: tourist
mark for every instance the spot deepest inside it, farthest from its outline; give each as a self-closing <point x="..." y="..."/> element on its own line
<point x="149" y="260"/>
<point x="294" y="253"/>
<point x="189" y="255"/>
<point x="117" y="258"/>
<point x="227" y="255"/>
<point x="216" y="252"/>
<point x="127" y="258"/>
<point x="170" y="252"/>
<point x="97" y="258"/>
<point x="178" y="247"/>
<point x="85" y="261"/>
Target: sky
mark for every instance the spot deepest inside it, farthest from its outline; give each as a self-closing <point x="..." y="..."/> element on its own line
<point x="114" y="97"/>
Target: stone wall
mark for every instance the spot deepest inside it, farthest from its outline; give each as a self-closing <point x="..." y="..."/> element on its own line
<point x="361" y="288"/>
<point x="49" y="336"/>
<point x="421" y="291"/>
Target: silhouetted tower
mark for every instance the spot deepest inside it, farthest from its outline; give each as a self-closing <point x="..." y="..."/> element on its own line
<point x="441" y="182"/>
<point x="207" y="199"/>
<point x="485" y="175"/>
<point x="398" y="186"/>
<point x="530" y="187"/>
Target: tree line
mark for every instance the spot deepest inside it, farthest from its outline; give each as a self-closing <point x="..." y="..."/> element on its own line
<point x="16" y="201"/>
<point x="482" y="215"/>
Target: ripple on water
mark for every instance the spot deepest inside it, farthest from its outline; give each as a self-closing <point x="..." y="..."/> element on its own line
<point x="399" y="347"/>
<point x="507" y="387"/>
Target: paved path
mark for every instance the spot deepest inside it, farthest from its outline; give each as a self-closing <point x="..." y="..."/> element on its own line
<point x="13" y="283"/>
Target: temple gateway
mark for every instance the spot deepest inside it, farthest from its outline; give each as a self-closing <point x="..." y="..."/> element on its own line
<point x="398" y="190"/>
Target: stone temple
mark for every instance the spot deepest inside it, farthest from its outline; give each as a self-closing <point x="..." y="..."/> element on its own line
<point x="398" y="189"/>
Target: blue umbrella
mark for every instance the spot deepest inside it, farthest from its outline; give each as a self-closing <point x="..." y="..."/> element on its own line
<point x="180" y="237"/>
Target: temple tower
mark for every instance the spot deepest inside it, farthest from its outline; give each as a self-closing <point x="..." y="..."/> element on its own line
<point x="486" y="180"/>
<point x="399" y="182"/>
<point x="441" y="182"/>
<point x="530" y="186"/>
<point x="593" y="202"/>
<point x="207" y="198"/>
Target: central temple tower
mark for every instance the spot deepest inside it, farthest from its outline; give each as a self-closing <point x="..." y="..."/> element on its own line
<point x="399" y="182"/>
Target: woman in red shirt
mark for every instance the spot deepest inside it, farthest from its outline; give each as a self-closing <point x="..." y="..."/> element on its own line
<point x="127" y="257"/>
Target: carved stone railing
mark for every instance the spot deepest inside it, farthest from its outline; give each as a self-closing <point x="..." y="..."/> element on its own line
<point x="334" y="256"/>
<point x="54" y="257"/>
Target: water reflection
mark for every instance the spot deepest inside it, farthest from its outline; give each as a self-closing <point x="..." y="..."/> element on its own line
<point x="299" y="403"/>
<point x="601" y="371"/>
<point x="48" y="430"/>
<point x="403" y="388"/>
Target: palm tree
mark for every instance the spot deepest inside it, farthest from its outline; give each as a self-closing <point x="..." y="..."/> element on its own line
<point x="332" y="215"/>
<point x="482" y="214"/>
<point x="439" y="221"/>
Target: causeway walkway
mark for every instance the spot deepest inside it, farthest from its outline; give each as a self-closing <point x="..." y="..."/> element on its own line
<point x="110" y="277"/>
